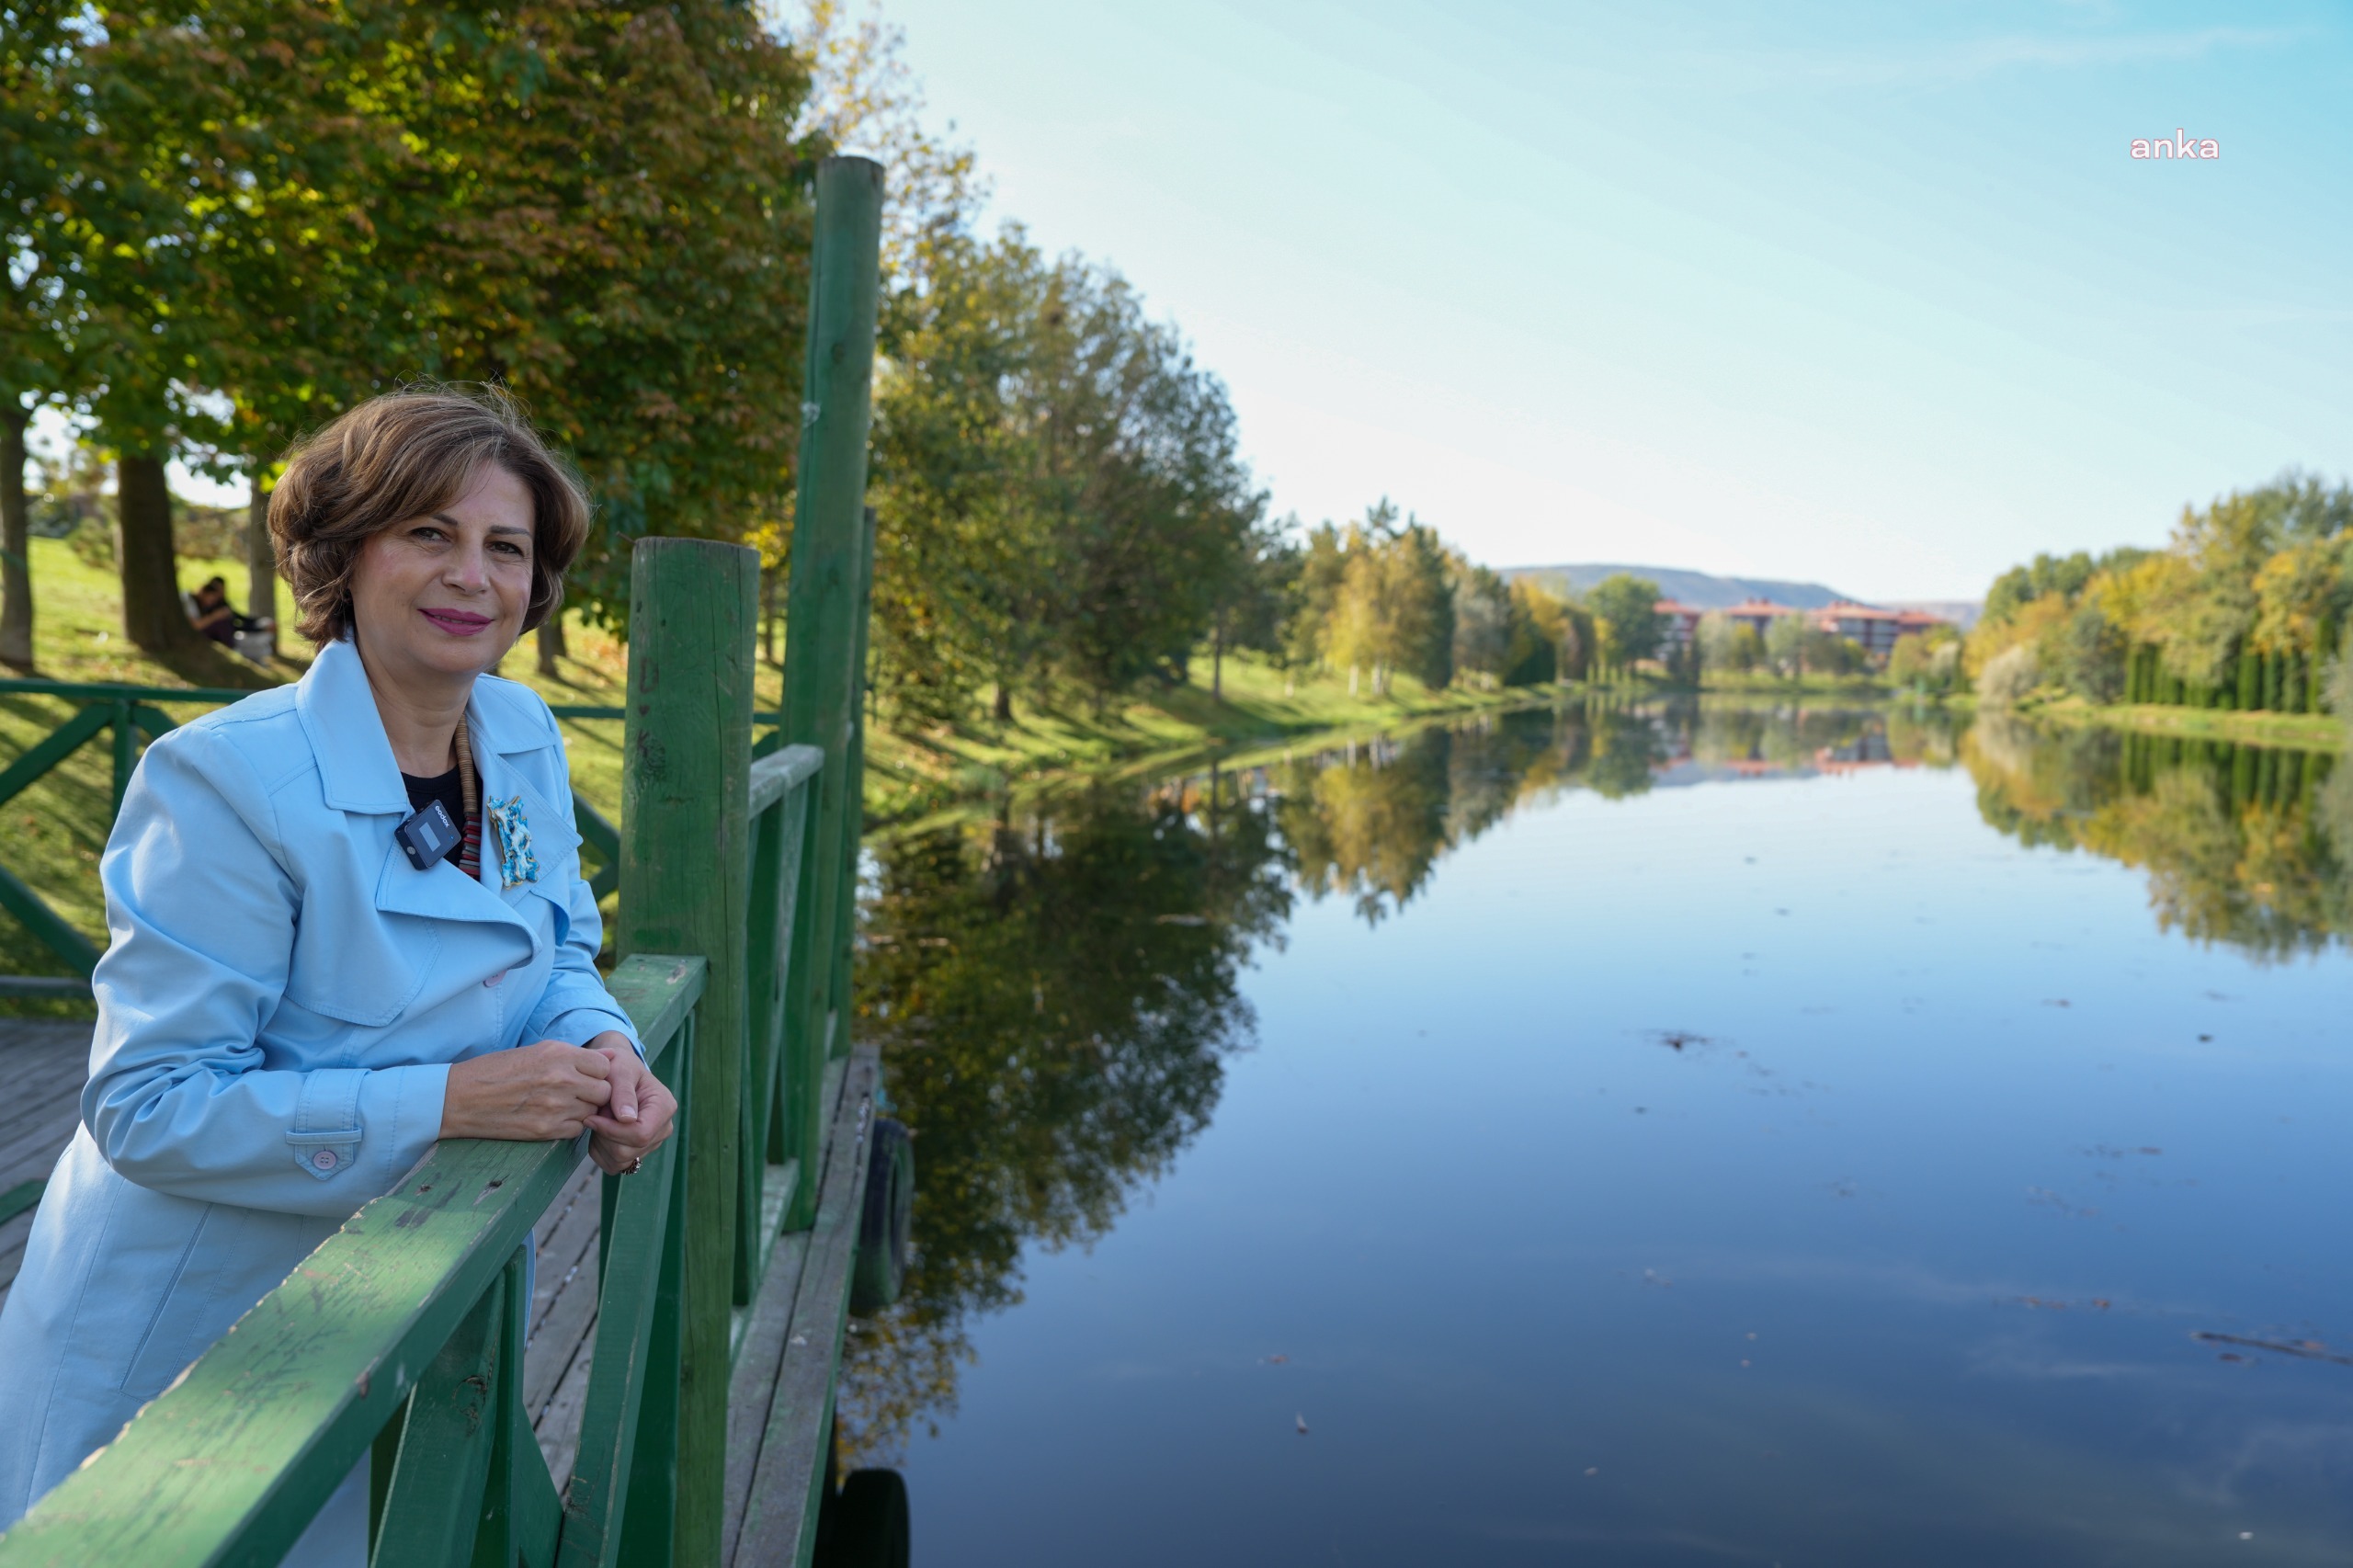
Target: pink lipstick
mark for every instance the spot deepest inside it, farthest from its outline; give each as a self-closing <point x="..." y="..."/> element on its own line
<point x="457" y="622"/>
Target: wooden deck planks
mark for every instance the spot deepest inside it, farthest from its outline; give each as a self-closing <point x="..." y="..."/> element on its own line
<point x="779" y="1504"/>
<point x="564" y="1320"/>
<point x="45" y="1061"/>
<point x="756" y="1361"/>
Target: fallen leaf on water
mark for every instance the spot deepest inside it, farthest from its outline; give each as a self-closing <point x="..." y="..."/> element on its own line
<point x="1593" y="1469"/>
<point x="1272" y="1360"/>
<point x="1302" y="1425"/>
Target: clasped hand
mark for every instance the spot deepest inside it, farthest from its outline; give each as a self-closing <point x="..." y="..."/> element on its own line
<point x="538" y="1093"/>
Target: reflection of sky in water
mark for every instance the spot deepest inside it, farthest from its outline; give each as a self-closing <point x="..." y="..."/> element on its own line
<point x="1514" y="1245"/>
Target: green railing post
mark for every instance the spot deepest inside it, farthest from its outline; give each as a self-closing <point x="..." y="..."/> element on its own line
<point x="854" y="790"/>
<point x="685" y="867"/>
<point x="822" y="607"/>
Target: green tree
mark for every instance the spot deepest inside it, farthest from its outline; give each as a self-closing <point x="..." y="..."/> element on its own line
<point x="1625" y="611"/>
<point x="966" y="587"/>
<point x="1925" y="660"/>
<point x="1256" y="602"/>
<point x="293" y="206"/>
<point x="1323" y="573"/>
<point x="1147" y="501"/>
<point x="1786" y="639"/>
<point x="152" y="338"/>
<point x="1729" y="646"/>
<point x="40" y="135"/>
<point x="1482" y="613"/>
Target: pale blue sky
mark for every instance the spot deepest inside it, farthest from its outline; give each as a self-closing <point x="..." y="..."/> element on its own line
<point x="1872" y="294"/>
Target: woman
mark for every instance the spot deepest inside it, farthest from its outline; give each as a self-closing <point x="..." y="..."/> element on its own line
<point x="293" y="1008"/>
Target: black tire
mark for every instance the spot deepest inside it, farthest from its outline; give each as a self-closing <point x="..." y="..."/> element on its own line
<point x="866" y="1523"/>
<point x="883" y="1227"/>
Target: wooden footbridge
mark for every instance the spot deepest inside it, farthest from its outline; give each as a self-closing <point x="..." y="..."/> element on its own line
<point x="542" y="1366"/>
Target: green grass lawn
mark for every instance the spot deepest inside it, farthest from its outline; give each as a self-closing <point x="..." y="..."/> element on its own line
<point x="2320" y="732"/>
<point x="51" y="834"/>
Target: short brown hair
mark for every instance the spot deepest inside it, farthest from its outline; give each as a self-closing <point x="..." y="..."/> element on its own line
<point x="404" y="455"/>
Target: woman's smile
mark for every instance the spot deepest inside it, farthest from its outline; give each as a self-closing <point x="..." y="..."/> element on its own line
<point x="457" y="623"/>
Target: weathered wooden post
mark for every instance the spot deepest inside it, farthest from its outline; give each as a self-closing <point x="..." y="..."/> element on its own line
<point x="824" y="607"/>
<point x="684" y="886"/>
<point x="854" y="787"/>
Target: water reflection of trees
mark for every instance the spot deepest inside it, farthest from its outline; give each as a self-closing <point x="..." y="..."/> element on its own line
<point x="2242" y="843"/>
<point x="1055" y="995"/>
<point x="1056" y="989"/>
<point x="1369" y="822"/>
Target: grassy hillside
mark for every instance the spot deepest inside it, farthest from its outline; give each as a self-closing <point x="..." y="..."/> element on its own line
<point x="55" y="831"/>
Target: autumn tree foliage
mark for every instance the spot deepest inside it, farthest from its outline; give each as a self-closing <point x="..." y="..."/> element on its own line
<point x="2244" y="609"/>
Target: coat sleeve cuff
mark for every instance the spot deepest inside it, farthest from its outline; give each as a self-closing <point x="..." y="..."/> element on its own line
<point x="400" y="1115"/>
<point x="578" y="1026"/>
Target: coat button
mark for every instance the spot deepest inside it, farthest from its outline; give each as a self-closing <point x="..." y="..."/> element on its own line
<point x="323" y="1159"/>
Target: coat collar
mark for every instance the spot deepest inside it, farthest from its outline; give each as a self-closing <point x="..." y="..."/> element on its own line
<point x="357" y="769"/>
<point x="356" y="772"/>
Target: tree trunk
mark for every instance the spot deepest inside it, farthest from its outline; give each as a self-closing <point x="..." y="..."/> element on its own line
<point x="261" y="560"/>
<point x="1002" y="710"/>
<point x="153" y="615"/>
<point x="552" y="646"/>
<point x="15" y="549"/>
<point x="1217" y="658"/>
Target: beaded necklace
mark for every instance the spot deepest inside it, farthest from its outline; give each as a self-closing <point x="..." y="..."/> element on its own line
<point x="469" y="846"/>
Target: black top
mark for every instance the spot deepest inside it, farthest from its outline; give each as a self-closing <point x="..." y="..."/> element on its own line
<point x="422" y="792"/>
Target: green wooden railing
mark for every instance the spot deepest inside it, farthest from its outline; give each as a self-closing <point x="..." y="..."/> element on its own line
<point x="401" y="1337"/>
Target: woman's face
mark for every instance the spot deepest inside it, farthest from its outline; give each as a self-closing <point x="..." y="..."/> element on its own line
<point x="443" y="595"/>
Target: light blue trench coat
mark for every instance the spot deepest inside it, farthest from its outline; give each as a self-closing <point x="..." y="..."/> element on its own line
<point x="277" y="1011"/>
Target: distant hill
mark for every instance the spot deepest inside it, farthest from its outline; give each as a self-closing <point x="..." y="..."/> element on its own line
<point x="1706" y="591"/>
<point x="1697" y="588"/>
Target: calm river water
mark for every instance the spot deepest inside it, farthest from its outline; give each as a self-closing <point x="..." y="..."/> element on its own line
<point x="1629" y="1138"/>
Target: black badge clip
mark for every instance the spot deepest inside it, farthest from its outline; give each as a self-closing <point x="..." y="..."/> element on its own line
<point x="428" y="837"/>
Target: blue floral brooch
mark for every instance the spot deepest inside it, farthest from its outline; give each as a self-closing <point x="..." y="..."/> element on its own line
<point x="516" y="863"/>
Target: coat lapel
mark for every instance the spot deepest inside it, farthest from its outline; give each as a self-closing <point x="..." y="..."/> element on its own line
<point x="503" y="732"/>
<point x="356" y="772"/>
